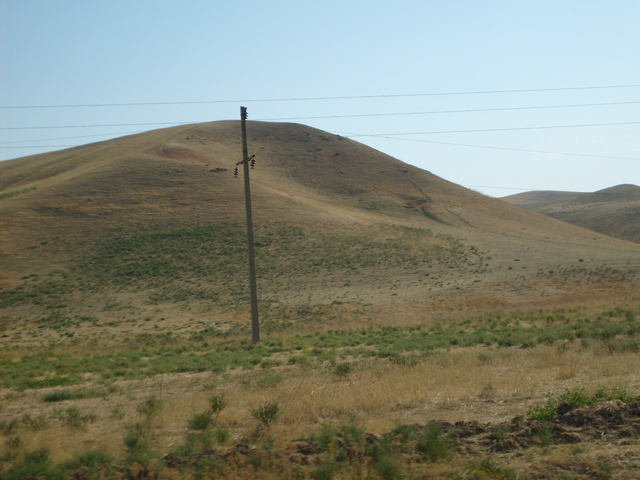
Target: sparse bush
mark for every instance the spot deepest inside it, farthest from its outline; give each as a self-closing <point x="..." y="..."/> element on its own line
<point x="150" y="407"/>
<point x="489" y="469"/>
<point x="222" y="435"/>
<point x="7" y="427"/>
<point x="58" y="396"/>
<point x="325" y="471"/>
<point x="116" y="412"/>
<point x="269" y="381"/>
<point x="33" y="423"/>
<point x="266" y="413"/>
<point x="574" y="398"/>
<point x="270" y="363"/>
<point x="218" y="402"/>
<point x="72" y="417"/>
<point x="91" y="462"/>
<point x="433" y="443"/>
<point x="200" y="421"/>
<point x="35" y="465"/>
<point x="340" y="439"/>
<point x="388" y="467"/>
<point x="342" y="369"/>
<point x="137" y="442"/>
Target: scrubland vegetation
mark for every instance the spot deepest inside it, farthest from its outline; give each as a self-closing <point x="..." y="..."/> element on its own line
<point x="366" y="402"/>
<point x="208" y="262"/>
<point x="96" y="384"/>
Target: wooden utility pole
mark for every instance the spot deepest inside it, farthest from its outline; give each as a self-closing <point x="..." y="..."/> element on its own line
<point x="253" y="285"/>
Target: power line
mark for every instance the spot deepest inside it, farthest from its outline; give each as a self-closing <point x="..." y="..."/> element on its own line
<point x="42" y="146"/>
<point x="513" y="149"/>
<point x="493" y="129"/>
<point x="432" y="112"/>
<point x="387" y="137"/>
<point x="298" y="99"/>
<point x="96" y="126"/>
<point x="453" y="111"/>
<point x="69" y="138"/>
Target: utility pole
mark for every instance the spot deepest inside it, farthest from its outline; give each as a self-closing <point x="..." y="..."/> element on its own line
<point x="253" y="286"/>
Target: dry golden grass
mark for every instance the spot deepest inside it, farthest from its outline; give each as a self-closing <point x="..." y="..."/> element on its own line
<point x="487" y="385"/>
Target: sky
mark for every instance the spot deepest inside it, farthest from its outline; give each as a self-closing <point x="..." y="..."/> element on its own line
<point x="498" y="96"/>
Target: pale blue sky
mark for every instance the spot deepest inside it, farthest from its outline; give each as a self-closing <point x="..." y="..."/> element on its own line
<point x="81" y="52"/>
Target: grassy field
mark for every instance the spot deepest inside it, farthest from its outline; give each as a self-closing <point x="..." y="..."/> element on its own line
<point x="348" y="403"/>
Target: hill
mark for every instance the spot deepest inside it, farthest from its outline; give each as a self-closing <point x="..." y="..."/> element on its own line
<point x="151" y="226"/>
<point x="538" y="196"/>
<point x="410" y="327"/>
<point x="613" y="211"/>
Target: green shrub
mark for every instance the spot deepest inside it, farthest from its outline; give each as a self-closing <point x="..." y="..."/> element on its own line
<point x="7" y="427"/>
<point x="137" y="442"/>
<point x="266" y="413"/>
<point x="488" y="469"/>
<point x="35" y="465"/>
<point x="270" y="380"/>
<point x="615" y="393"/>
<point x="340" y="439"/>
<point x="342" y="370"/>
<point x="33" y="423"/>
<point x="218" y="402"/>
<point x="200" y="421"/>
<point x="388" y="467"/>
<point x="325" y="471"/>
<point x="575" y="398"/>
<point x="150" y="407"/>
<point x="72" y="417"/>
<point x="58" y="396"/>
<point x="433" y="443"/>
<point x="93" y="460"/>
<point x="222" y="435"/>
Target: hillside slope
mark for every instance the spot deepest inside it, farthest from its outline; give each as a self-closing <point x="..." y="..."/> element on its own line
<point x="539" y="196"/>
<point x="151" y="225"/>
<point x="613" y="211"/>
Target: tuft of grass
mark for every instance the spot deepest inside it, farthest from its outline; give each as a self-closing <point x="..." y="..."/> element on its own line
<point x="91" y="464"/>
<point x="38" y="422"/>
<point x="267" y="413"/>
<point x="200" y="421"/>
<point x="150" y="407"/>
<point x="325" y="471"/>
<point x="433" y="443"/>
<point x="137" y="443"/>
<point x="62" y="395"/>
<point x="34" y="465"/>
<point x="217" y="402"/>
<point x="342" y="370"/>
<point x="72" y="417"/>
<point x="58" y="396"/>
<point x="487" y="468"/>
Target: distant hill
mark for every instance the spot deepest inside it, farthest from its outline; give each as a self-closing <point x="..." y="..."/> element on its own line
<point x="539" y="196"/>
<point x="152" y="225"/>
<point x="613" y="211"/>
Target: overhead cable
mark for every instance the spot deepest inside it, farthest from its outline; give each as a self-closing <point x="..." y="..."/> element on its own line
<point x="493" y="129"/>
<point x="298" y="99"/>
